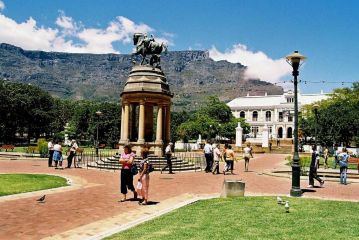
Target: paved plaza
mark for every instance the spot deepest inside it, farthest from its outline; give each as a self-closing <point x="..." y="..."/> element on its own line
<point x="89" y="208"/>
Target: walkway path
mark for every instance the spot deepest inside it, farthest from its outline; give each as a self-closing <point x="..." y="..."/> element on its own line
<point x="94" y="197"/>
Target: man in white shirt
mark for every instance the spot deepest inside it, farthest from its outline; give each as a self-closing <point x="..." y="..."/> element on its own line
<point x="208" y="154"/>
<point x="73" y="148"/>
<point x="168" y="155"/>
<point x="216" y="157"/>
<point x="50" y="147"/>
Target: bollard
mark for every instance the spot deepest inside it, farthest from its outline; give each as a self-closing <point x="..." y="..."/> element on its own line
<point x="233" y="188"/>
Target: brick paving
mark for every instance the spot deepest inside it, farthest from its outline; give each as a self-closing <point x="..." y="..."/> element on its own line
<point x="95" y="194"/>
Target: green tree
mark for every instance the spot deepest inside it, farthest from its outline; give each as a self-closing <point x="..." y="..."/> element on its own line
<point x="212" y="119"/>
<point x="25" y="108"/>
<point x="177" y="118"/>
<point x="338" y="117"/>
<point x="84" y="122"/>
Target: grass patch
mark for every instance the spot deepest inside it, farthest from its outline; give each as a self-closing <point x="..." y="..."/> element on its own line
<point x="253" y="218"/>
<point x="305" y="162"/>
<point x="20" y="183"/>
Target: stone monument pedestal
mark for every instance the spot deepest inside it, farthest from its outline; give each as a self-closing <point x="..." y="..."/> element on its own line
<point x="146" y="113"/>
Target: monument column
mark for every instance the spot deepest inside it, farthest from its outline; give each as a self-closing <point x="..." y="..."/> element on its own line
<point x="159" y="124"/>
<point x="141" y="123"/>
<point x="122" y="121"/>
<point x="168" y="123"/>
<point x="265" y="137"/>
<point x="159" y="142"/>
<point x="126" y="122"/>
<point x="239" y="134"/>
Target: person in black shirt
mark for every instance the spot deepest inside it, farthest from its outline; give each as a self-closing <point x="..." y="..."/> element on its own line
<point x="313" y="169"/>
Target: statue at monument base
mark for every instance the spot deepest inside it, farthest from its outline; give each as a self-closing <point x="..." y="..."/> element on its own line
<point x="146" y="101"/>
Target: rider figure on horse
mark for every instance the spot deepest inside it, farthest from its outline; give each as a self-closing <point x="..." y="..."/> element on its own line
<point x="148" y="46"/>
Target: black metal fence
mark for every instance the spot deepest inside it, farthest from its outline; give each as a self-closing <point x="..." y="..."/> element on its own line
<point x="197" y="159"/>
<point x="182" y="161"/>
<point x="86" y="159"/>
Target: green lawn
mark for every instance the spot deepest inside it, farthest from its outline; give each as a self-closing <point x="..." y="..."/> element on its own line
<point x="305" y="162"/>
<point x="253" y="218"/>
<point x="20" y="183"/>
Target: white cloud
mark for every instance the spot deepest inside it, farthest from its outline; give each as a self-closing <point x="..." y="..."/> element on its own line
<point x="2" y="5"/>
<point x="26" y="34"/>
<point x="71" y="36"/>
<point x="65" y="21"/>
<point x="259" y="64"/>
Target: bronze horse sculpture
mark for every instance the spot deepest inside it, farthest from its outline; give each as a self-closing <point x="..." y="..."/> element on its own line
<point x="148" y="46"/>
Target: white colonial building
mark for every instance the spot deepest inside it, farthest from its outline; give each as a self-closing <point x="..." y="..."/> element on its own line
<point x="275" y="111"/>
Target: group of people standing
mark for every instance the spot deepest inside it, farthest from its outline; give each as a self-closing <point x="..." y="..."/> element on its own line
<point x="127" y="173"/>
<point x="56" y="153"/>
<point x="214" y="155"/>
<point x="340" y="158"/>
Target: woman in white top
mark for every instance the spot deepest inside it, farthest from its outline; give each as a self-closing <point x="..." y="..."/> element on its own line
<point x="247" y="155"/>
<point x="57" y="157"/>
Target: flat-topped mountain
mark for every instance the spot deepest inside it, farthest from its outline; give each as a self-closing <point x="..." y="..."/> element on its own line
<point x="192" y="75"/>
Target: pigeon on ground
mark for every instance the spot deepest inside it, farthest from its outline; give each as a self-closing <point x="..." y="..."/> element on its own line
<point x="42" y="199"/>
<point x="279" y="200"/>
<point x="286" y="206"/>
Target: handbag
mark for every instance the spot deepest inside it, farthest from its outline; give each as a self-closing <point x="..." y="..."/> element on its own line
<point x="139" y="185"/>
<point x="134" y="169"/>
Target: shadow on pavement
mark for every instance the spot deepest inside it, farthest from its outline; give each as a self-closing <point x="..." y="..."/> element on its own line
<point x="308" y="190"/>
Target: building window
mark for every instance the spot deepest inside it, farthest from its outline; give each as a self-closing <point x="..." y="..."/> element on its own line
<point x="270" y="130"/>
<point x="254" y="130"/>
<point x="255" y="116"/>
<point x="280" y="133"/>
<point x="242" y="114"/>
<point x="289" y="132"/>
<point x="268" y="116"/>
<point x="280" y="117"/>
<point x="290" y="117"/>
<point x="290" y="100"/>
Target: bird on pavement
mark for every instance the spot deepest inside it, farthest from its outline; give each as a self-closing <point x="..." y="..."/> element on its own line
<point x="42" y="199"/>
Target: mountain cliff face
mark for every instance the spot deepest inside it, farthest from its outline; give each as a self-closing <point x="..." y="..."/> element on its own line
<point x="192" y="75"/>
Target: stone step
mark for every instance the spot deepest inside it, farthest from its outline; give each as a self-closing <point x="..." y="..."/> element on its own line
<point x="112" y="163"/>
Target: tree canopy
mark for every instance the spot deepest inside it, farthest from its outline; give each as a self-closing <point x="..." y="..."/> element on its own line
<point x="337" y="116"/>
<point x="213" y="119"/>
<point x="30" y="110"/>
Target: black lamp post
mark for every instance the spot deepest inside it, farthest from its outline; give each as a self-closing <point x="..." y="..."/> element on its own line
<point x="98" y="113"/>
<point x="294" y="60"/>
<point x="315" y="107"/>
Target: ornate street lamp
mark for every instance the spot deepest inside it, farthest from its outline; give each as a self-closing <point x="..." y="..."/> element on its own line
<point x="315" y="108"/>
<point x="98" y="113"/>
<point x="295" y="60"/>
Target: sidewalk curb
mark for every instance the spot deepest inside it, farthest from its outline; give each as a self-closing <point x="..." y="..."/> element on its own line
<point x="114" y="225"/>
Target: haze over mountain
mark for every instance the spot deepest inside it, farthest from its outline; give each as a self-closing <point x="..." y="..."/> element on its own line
<point x="192" y="75"/>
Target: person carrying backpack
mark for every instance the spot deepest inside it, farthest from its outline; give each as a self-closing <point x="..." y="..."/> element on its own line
<point x="343" y="163"/>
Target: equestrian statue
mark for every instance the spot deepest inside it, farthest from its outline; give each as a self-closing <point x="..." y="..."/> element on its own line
<point x="148" y="46"/>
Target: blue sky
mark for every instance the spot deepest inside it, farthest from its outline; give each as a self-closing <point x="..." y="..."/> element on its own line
<point x="257" y="33"/>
